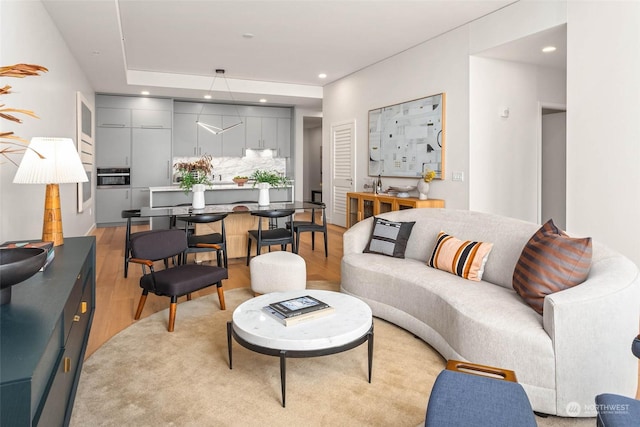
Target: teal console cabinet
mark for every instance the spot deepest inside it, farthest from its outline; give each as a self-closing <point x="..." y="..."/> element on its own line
<point x="43" y="338"/>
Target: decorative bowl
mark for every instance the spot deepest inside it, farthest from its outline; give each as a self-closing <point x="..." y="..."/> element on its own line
<point x="240" y="181"/>
<point x="17" y="265"/>
<point x="403" y="188"/>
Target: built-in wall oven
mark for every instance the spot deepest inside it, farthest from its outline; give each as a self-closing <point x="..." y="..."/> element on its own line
<point x="113" y="177"/>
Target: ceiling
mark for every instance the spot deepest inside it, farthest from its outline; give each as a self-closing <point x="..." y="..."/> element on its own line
<point x="270" y="49"/>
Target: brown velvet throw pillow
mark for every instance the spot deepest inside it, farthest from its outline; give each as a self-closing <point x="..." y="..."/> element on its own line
<point x="551" y="261"/>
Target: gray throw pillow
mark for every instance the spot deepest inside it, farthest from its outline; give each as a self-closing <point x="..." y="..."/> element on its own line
<point x="389" y="237"/>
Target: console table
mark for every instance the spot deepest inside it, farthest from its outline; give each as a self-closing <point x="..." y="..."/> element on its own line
<point x="44" y="332"/>
<point x="363" y="205"/>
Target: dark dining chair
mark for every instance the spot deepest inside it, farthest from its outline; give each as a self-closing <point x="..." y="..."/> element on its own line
<point x="212" y="242"/>
<point x="129" y="214"/>
<point x="272" y="236"/>
<point x="312" y="227"/>
<point x="175" y="281"/>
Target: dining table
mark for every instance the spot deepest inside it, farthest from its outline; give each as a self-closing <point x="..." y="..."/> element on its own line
<point x="237" y="223"/>
<point x="232" y="208"/>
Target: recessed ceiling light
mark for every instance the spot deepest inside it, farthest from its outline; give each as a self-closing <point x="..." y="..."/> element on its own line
<point x="207" y="97"/>
<point x="322" y="75"/>
<point x="548" y="49"/>
<point x="263" y="100"/>
<point x="145" y="92"/>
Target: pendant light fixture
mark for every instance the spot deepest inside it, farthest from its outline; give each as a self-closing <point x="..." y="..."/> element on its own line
<point x="214" y="129"/>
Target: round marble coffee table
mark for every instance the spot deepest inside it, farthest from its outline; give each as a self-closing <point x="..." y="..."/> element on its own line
<point x="350" y="325"/>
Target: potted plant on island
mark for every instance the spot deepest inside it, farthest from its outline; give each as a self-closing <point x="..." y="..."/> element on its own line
<point x="195" y="176"/>
<point x="264" y="180"/>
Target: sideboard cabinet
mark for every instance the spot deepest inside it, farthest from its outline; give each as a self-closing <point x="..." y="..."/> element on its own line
<point x="44" y="332"/>
<point x="364" y="205"/>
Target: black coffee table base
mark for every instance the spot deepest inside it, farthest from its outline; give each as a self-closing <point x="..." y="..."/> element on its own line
<point x="283" y="354"/>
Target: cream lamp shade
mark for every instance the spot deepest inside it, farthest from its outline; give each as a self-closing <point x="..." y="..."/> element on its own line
<point x="51" y="161"/>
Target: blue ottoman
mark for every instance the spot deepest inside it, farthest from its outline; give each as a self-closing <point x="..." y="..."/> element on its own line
<point x="466" y="400"/>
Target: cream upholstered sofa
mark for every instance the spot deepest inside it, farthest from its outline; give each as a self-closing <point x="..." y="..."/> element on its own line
<point x="577" y="349"/>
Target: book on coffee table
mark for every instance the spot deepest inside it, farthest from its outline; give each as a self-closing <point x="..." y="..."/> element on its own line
<point x="298" y="306"/>
<point x="293" y="320"/>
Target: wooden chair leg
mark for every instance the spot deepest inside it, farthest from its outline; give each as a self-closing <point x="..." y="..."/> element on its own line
<point x="172" y="313"/>
<point x="188" y="297"/>
<point x="143" y="299"/>
<point x="221" y="297"/>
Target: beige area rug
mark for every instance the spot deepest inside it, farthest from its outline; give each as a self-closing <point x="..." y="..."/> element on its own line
<point x="146" y="376"/>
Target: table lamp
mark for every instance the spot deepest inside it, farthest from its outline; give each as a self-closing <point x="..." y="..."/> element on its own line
<point x="51" y="161"/>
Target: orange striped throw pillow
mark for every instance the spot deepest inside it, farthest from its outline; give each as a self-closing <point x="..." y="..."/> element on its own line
<point x="551" y="261"/>
<point x="462" y="258"/>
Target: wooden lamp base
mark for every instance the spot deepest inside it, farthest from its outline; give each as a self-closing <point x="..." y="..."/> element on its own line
<point x="52" y="222"/>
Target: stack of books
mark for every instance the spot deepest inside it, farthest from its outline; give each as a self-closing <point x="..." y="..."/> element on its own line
<point x="295" y="310"/>
<point x="48" y="246"/>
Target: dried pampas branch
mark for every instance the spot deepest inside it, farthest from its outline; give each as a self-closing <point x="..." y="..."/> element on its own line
<point x="17" y="145"/>
<point x="21" y="70"/>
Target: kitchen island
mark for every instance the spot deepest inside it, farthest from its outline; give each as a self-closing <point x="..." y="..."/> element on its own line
<point x="220" y="193"/>
<point x="236" y="224"/>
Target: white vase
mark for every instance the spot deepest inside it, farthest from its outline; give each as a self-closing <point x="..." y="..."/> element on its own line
<point x="423" y="189"/>
<point x="198" y="196"/>
<point x="263" y="195"/>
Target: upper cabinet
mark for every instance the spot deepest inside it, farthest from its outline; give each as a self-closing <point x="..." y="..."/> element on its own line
<point x="151" y="119"/>
<point x="262" y="127"/>
<point x="113" y="117"/>
<point x="117" y="117"/>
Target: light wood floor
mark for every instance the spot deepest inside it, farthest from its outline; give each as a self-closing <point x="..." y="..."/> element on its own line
<point x="117" y="297"/>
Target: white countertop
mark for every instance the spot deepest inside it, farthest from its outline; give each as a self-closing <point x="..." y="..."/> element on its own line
<point x="231" y="186"/>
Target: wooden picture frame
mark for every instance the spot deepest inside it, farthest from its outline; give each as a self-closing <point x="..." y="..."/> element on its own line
<point x="86" y="149"/>
<point x="407" y="139"/>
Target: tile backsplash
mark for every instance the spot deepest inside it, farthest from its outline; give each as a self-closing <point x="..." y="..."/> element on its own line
<point x="225" y="168"/>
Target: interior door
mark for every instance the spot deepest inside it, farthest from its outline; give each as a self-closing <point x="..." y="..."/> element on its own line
<point x="343" y="138"/>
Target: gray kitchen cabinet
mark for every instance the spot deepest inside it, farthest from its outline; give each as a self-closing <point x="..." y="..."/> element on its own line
<point x="150" y="157"/>
<point x="114" y="147"/>
<point x="140" y="198"/>
<point x="185" y="135"/>
<point x="208" y="142"/>
<point x="284" y="138"/>
<point x="110" y="202"/>
<point x="113" y="117"/>
<point x="151" y="119"/>
<point x="261" y="132"/>
<point x="233" y="140"/>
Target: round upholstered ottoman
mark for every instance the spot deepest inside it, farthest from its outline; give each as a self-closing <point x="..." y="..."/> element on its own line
<point x="277" y="271"/>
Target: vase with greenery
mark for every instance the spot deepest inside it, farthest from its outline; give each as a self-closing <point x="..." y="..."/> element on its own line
<point x="194" y="172"/>
<point x="264" y="180"/>
<point x="273" y="178"/>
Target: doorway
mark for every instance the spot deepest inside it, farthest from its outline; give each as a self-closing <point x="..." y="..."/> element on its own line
<point x="553" y="165"/>
<point x="312" y="159"/>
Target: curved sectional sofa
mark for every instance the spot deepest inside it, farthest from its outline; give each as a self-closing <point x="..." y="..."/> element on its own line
<point x="576" y="349"/>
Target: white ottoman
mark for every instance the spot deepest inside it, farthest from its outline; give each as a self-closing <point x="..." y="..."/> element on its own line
<point x="277" y="271"/>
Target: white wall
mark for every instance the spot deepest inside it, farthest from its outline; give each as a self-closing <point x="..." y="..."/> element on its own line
<point x="29" y="36"/>
<point x="440" y="65"/>
<point x="603" y="126"/>
<point x="503" y="170"/>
